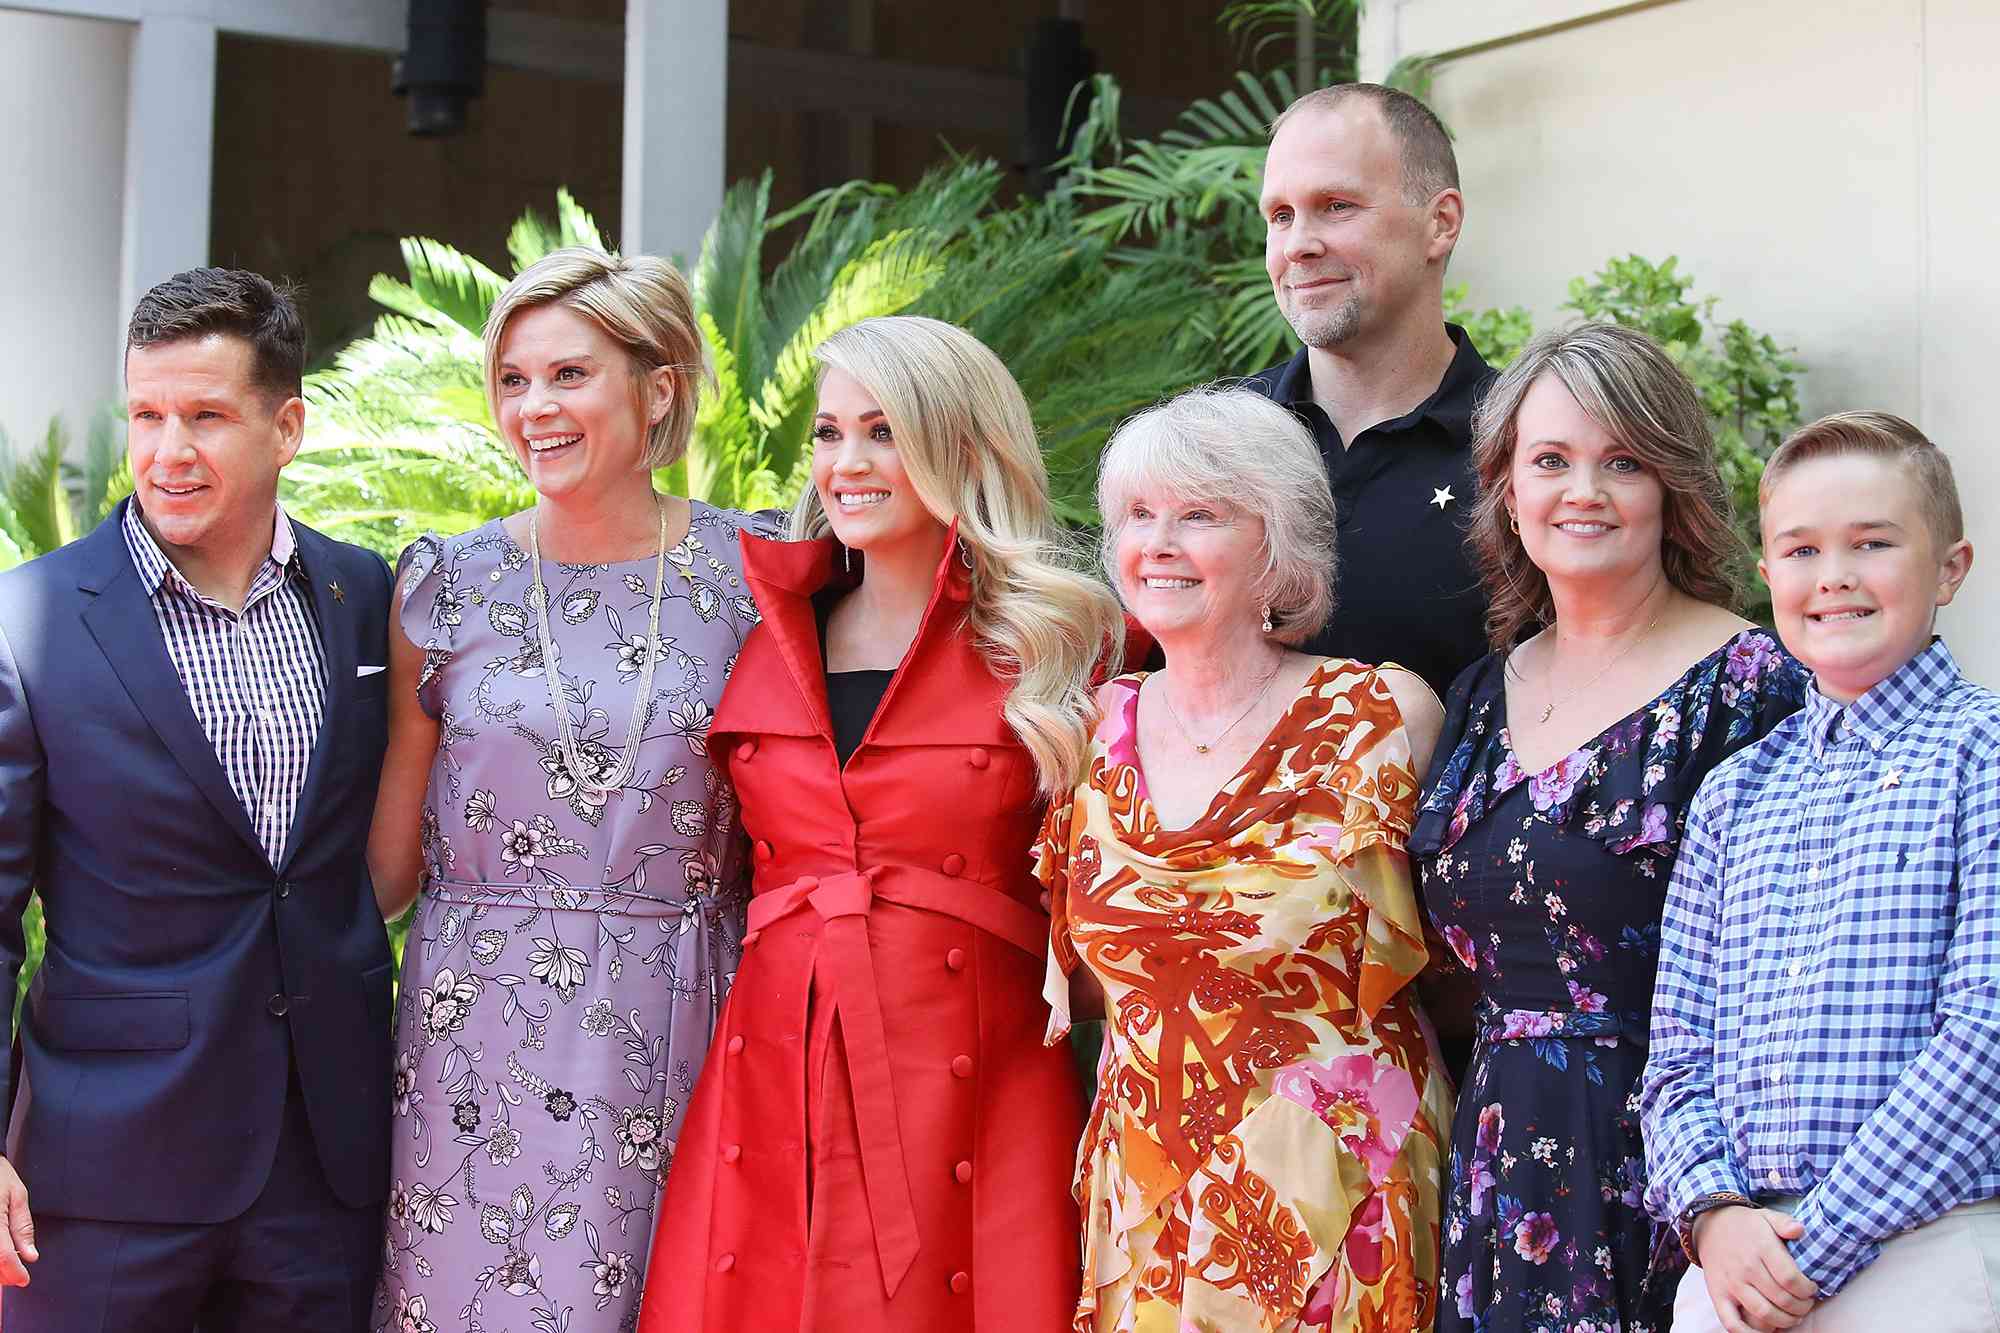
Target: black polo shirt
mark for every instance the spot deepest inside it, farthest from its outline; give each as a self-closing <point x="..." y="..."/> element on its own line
<point x="1406" y="588"/>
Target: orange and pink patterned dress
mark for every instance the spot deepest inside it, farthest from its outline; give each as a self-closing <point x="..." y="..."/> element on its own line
<point x="1263" y="1152"/>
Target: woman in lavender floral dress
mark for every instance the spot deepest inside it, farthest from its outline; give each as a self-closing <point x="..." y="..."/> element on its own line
<point x="1547" y="828"/>
<point x="548" y="781"/>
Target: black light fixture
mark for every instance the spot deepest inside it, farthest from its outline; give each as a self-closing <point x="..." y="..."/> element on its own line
<point x="444" y="65"/>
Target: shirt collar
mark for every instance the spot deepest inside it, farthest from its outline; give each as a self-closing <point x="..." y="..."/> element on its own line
<point x="155" y="568"/>
<point x="1883" y="711"/>
<point x="1450" y="406"/>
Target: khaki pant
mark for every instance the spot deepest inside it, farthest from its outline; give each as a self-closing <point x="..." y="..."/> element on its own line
<point x="1943" y="1277"/>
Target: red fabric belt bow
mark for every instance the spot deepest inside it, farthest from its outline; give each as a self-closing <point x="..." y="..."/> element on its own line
<point x="843" y="902"/>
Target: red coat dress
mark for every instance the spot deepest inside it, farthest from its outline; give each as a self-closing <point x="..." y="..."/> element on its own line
<point x="879" y="1139"/>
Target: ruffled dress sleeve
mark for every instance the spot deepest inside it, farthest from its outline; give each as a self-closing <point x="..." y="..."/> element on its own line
<point x="1629" y="786"/>
<point x="1052" y="863"/>
<point x="1455" y="792"/>
<point x="430" y="608"/>
<point x="1378" y="791"/>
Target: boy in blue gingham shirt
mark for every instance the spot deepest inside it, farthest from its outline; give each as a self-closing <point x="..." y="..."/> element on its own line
<point x="1822" y="1091"/>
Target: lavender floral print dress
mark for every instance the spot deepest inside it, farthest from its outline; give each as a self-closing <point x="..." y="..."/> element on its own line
<point x="1548" y="887"/>
<point x="570" y="952"/>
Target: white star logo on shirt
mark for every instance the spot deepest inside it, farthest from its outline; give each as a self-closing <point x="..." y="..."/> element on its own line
<point x="1893" y="778"/>
<point x="1442" y="496"/>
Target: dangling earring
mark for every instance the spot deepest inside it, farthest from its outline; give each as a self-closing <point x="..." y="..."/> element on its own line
<point x="847" y="559"/>
<point x="965" y="554"/>
<point x="1513" y="522"/>
<point x="1267" y="620"/>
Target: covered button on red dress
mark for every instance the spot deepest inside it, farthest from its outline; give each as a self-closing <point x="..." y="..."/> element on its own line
<point x="889" y="1016"/>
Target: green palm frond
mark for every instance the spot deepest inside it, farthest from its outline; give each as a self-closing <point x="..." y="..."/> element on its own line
<point x="34" y="490"/>
<point x="14" y="545"/>
<point x="106" y="474"/>
<point x="728" y="280"/>
<point x="884" y="280"/>
<point x="445" y="285"/>
<point x="534" y="236"/>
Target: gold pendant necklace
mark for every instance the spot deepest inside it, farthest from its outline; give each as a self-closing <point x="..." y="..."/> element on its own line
<point x="1555" y="701"/>
<point x="1200" y="748"/>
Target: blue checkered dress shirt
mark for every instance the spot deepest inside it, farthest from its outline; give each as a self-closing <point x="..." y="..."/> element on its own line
<point x="1826" y="1021"/>
<point x="256" y="678"/>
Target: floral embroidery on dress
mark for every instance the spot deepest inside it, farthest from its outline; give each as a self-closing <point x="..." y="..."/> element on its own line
<point x="1548" y="888"/>
<point x="571" y="947"/>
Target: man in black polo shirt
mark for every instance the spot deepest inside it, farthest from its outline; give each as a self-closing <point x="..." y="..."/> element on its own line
<point x="1362" y="209"/>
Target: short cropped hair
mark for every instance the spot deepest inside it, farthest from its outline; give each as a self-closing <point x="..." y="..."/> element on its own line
<point x="642" y="304"/>
<point x="235" y="303"/>
<point x="1629" y="386"/>
<point x="1889" y="438"/>
<point x="1217" y="441"/>
<point x="1429" y="164"/>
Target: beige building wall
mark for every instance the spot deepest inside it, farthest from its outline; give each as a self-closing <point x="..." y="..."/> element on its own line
<point x="62" y="95"/>
<point x="1825" y="166"/>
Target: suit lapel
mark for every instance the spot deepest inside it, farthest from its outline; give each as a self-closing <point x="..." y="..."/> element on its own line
<point x="336" y="637"/>
<point x="120" y="617"/>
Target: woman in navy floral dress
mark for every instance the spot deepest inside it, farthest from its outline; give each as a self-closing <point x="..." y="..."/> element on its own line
<point x="1547" y="828"/>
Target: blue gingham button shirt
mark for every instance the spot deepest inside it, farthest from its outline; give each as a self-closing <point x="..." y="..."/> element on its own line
<point x="1826" y="1021"/>
<point x="256" y="678"/>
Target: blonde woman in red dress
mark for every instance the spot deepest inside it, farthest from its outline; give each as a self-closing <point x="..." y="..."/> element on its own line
<point x="881" y="1141"/>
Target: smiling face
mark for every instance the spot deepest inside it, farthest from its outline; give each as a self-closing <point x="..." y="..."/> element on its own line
<point x="568" y="403"/>
<point x="206" y="443"/>
<point x="1345" y="252"/>
<point x="1856" y="575"/>
<point x="857" y="470"/>
<point x="1190" y="568"/>
<point x="1589" y="511"/>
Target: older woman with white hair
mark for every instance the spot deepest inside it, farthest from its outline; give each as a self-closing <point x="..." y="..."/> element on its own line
<point x="1263" y="1152"/>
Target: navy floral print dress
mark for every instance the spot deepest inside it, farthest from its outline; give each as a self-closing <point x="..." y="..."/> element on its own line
<point x="1548" y="887"/>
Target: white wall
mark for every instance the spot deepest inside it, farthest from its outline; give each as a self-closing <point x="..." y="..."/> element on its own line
<point x="62" y="97"/>
<point x="1824" y="167"/>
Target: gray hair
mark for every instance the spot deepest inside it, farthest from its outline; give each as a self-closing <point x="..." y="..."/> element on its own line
<point x="1235" y="444"/>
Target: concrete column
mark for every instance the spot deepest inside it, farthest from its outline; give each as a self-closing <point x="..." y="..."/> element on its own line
<point x="169" y="152"/>
<point x="676" y="115"/>
<point x="62" y="93"/>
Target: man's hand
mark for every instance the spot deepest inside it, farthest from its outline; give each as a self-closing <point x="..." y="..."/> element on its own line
<point x="1755" y="1286"/>
<point x="17" y="1238"/>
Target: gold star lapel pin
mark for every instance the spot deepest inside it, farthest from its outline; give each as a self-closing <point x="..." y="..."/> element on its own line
<point x="333" y="586"/>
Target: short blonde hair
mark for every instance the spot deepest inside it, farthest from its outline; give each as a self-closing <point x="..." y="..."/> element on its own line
<point x="1629" y="386"/>
<point x="965" y="437"/>
<point x="642" y="304"/>
<point x="1214" y="441"/>
<point x="1889" y="438"/>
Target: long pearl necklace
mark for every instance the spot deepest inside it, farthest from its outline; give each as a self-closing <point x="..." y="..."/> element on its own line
<point x="628" y="759"/>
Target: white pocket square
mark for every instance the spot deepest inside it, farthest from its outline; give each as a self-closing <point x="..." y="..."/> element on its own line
<point x="361" y="671"/>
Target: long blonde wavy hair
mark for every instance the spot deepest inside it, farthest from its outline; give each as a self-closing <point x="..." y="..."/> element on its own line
<point x="966" y="440"/>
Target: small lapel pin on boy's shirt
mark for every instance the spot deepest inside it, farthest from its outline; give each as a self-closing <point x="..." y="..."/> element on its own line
<point x="333" y="587"/>
<point x="1893" y="778"/>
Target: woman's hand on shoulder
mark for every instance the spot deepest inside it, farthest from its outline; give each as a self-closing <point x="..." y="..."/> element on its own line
<point x="1423" y="715"/>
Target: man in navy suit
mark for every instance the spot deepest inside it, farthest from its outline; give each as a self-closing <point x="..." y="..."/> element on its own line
<point x="191" y="730"/>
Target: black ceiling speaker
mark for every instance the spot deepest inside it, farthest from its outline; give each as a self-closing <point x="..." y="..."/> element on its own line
<point x="444" y="65"/>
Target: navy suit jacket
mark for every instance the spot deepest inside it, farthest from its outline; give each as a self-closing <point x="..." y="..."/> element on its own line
<point x="185" y="975"/>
